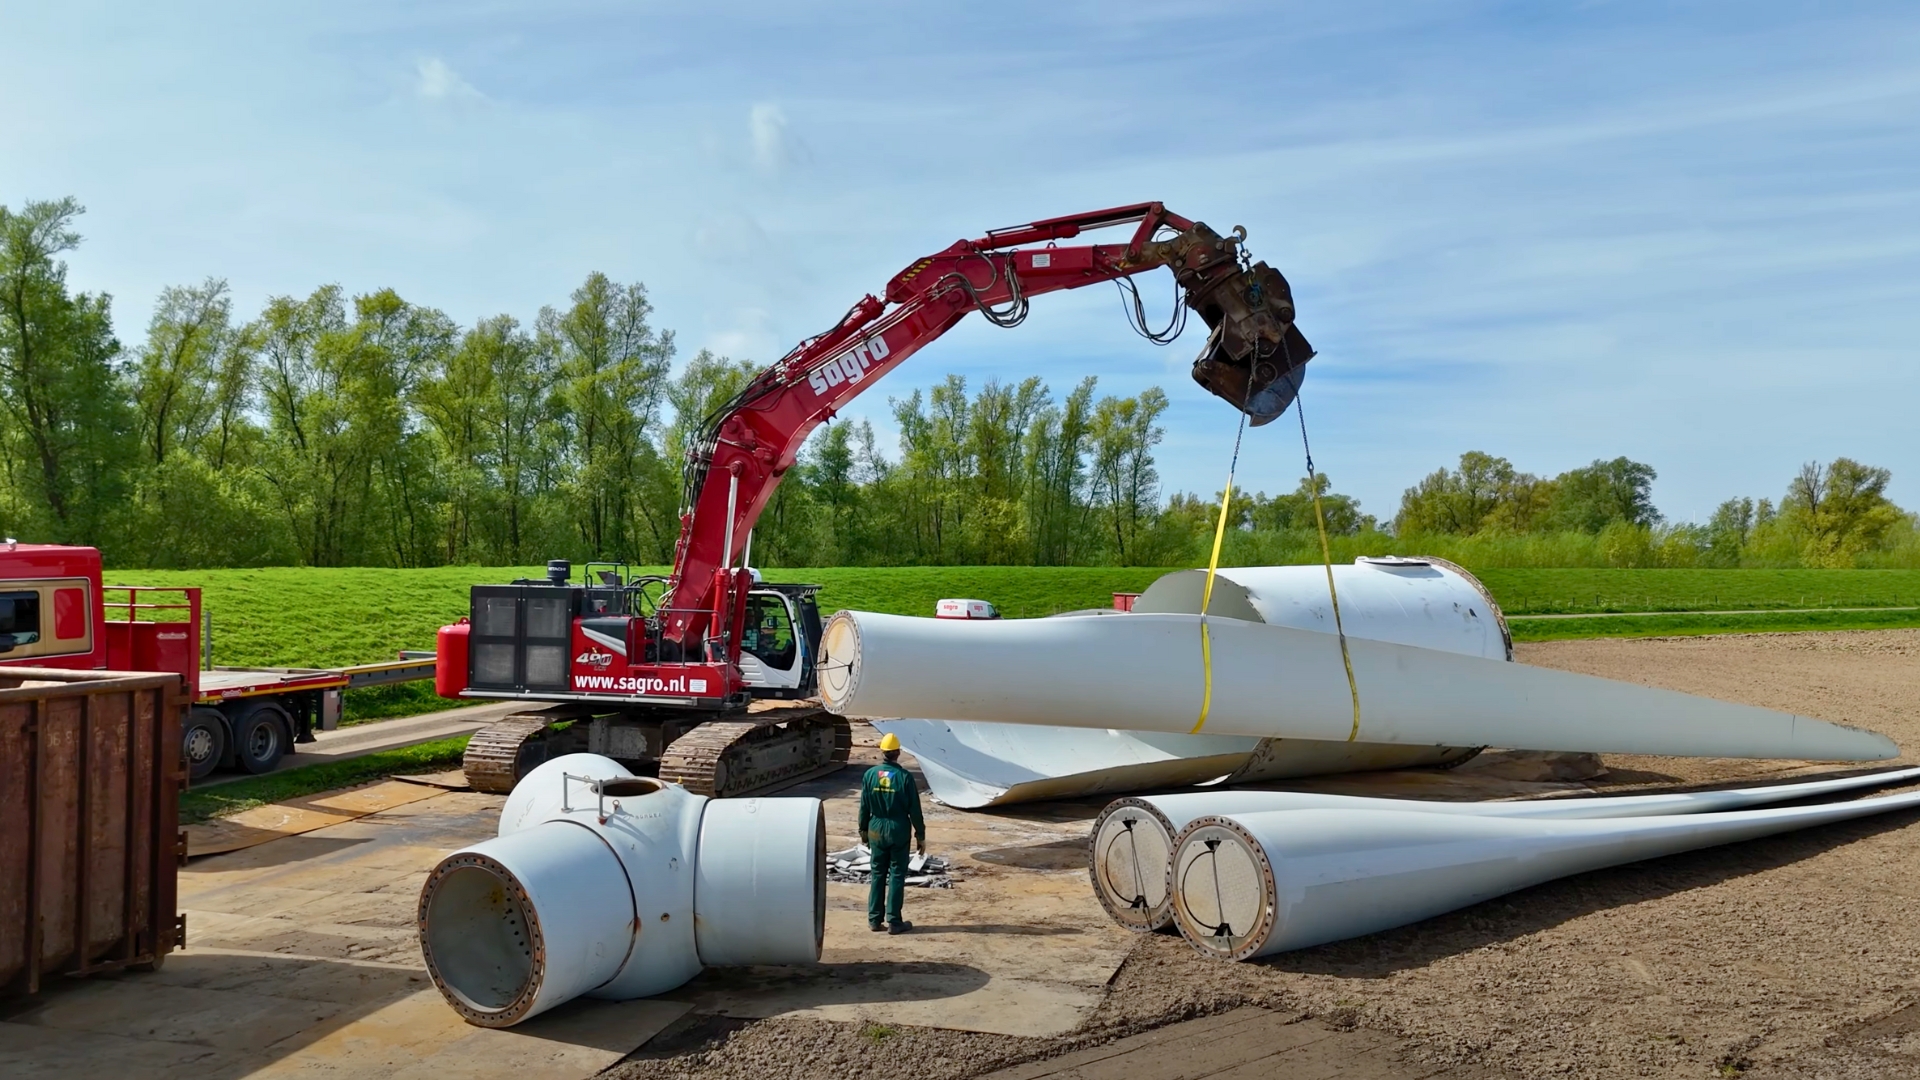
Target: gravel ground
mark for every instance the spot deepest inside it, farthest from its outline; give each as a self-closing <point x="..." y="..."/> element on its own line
<point x="1789" y="956"/>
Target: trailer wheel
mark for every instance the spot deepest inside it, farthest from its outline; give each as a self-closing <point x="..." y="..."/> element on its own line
<point x="203" y="742"/>
<point x="260" y="737"/>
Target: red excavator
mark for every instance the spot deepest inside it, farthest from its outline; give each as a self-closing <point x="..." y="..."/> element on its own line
<point x="701" y="674"/>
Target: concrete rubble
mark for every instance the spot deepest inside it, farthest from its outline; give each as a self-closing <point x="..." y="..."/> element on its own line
<point x="854" y="866"/>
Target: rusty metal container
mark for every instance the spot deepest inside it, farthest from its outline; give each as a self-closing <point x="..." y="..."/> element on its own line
<point x="90" y="843"/>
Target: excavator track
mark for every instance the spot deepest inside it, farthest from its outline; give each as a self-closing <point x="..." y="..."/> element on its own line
<point x="726" y="759"/>
<point x="501" y="753"/>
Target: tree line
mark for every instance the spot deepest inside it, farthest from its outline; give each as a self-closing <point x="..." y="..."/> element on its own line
<point x="1834" y="514"/>
<point x="336" y="429"/>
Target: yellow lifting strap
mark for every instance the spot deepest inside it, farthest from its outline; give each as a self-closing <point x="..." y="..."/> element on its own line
<point x="1213" y="568"/>
<point x="1206" y="594"/>
<point x="1326" y="556"/>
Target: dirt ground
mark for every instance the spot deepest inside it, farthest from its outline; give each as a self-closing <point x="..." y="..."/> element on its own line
<point x="1792" y="956"/>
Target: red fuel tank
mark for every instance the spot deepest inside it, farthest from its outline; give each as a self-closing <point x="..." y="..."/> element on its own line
<point x="450" y="660"/>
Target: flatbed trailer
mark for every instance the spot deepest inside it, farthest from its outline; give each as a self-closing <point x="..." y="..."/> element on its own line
<point x="55" y="612"/>
<point x="248" y="717"/>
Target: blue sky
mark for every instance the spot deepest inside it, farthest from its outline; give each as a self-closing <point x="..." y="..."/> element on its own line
<point x="1687" y="233"/>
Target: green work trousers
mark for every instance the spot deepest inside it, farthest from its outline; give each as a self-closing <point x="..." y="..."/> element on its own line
<point x="888" y="883"/>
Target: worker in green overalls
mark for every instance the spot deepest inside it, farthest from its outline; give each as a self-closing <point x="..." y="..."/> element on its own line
<point x="889" y="805"/>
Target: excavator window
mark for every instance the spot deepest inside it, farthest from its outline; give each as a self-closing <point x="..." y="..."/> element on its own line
<point x="769" y="633"/>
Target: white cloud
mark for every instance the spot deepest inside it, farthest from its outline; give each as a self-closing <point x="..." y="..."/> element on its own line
<point x="775" y="148"/>
<point x="749" y="336"/>
<point x="439" y="82"/>
<point x="732" y="237"/>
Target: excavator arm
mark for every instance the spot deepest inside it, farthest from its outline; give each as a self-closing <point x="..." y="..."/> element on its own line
<point x="1251" y="359"/>
<point x="666" y="685"/>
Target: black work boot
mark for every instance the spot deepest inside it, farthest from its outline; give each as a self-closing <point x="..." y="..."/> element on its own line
<point x="876" y="927"/>
<point x="900" y="927"/>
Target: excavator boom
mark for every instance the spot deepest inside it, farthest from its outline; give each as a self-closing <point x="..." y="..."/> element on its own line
<point x="1251" y="360"/>
<point x="668" y="683"/>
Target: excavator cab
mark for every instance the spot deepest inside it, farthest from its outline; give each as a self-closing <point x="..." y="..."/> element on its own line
<point x="780" y="640"/>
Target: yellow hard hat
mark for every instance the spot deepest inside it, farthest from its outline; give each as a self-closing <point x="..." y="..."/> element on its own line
<point x="889" y="741"/>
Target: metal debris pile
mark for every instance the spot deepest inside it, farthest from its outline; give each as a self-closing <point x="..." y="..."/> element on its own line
<point x="854" y="866"/>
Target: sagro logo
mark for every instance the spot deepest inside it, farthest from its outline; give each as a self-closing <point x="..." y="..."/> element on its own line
<point x="677" y="686"/>
<point x="849" y="365"/>
<point x="594" y="658"/>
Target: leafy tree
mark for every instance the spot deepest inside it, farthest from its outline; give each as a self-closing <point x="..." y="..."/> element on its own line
<point x="457" y="401"/>
<point x="402" y="344"/>
<point x="199" y="500"/>
<point x="1461" y="501"/>
<point x="338" y="430"/>
<point x="612" y="374"/>
<point x="523" y="436"/>
<point x="1841" y="509"/>
<point x="997" y="485"/>
<point x="1124" y="433"/>
<point x="68" y="440"/>
<point x="1057" y="442"/>
<point x="176" y="374"/>
<point x="1285" y="513"/>
<point x="830" y="471"/>
<point x="707" y="382"/>
<point x="340" y="448"/>
<point x="1524" y="505"/>
<point x="1728" y="530"/>
<point x="930" y="483"/>
<point x="1591" y="498"/>
<point x="1196" y="517"/>
<point x="1627" y="545"/>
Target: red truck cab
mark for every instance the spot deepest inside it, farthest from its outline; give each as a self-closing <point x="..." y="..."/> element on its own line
<point x="51" y="607"/>
<point x="54" y="613"/>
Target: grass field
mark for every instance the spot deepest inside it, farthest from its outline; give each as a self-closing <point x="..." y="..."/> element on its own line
<point x="292" y="616"/>
<point x="303" y="617"/>
<point x="1674" y="625"/>
<point x="1528" y="592"/>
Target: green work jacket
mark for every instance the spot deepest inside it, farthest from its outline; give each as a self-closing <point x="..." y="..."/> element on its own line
<point x="889" y="804"/>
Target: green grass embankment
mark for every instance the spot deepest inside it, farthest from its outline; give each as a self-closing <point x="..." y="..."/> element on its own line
<point x="1020" y="592"/>
<point x="1535" y="591"/>
<point x="1718" y="622"/>
<point x="290" y="616"/>
<point x="323" y="617"/>
<point x="317" y="617"/>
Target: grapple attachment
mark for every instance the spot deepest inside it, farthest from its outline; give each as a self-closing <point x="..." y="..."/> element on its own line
<point x="1255" y="357"/>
